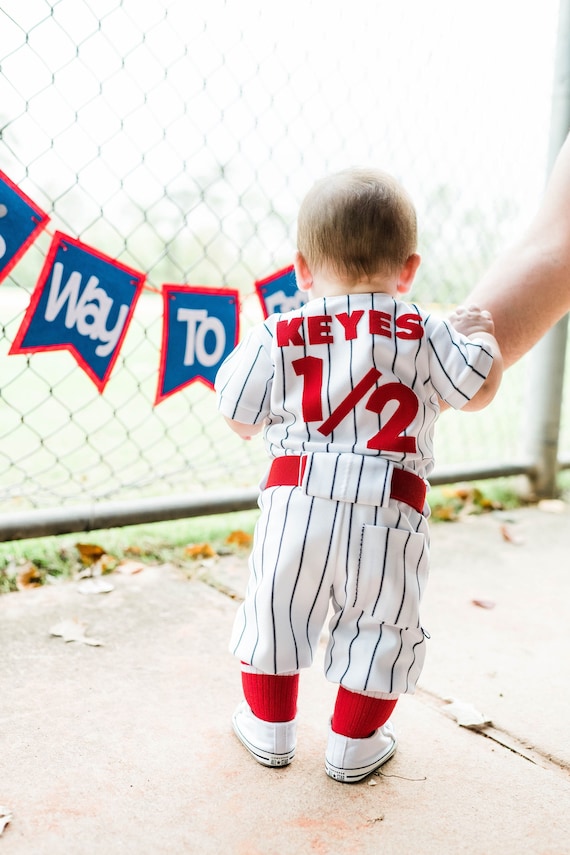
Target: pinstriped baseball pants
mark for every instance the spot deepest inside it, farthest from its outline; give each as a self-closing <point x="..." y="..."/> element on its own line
<point x="369" y="562"/>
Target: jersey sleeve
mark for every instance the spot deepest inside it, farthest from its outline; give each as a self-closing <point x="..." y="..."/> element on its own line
<point x="458" y="365"/>
<point x="243" y="381"/>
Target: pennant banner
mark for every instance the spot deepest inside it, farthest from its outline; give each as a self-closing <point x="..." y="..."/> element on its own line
<point x="21" y="221"/>
<point x="200" y="328"/>
<point x="279" y="292"/>
<point x="83" y="303"/>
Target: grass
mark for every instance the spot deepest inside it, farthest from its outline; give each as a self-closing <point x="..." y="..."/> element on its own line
<point x="58" y="556"/>
<point x="49" y="558"/>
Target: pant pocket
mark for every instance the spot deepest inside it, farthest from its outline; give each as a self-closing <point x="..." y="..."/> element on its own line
<point x="392" y="574"/>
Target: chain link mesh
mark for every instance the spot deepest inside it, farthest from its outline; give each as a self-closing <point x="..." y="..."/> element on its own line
<point x="179" y="139"/>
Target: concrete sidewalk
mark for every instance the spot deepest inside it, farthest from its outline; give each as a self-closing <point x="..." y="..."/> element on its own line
<point x="127" y="747"/>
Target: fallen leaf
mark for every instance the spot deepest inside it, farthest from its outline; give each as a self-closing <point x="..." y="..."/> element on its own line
<point x="134" y="550"/>
<point x="460" y="492"/>
<point x="69" y="630"/>
<point x="489" y="504"/>
<point x="508" y="534"/>
<point x="95" y="585"/>
<point x="472" y="498"/>
<point x="29" y="576"/>
<point x="200" y="550"/>
<point x="240" y="538"/>
<point x="105" y="564"/>
<point x="445" y="513"/>
<point x="461" y="501"/>
<point x="5" y="817"/>
<point x="89" y="552"/>
<point x="466" y="715"/>
<point x="484" y="604"/>
<point x="73" y="630"/>
<point x="129" y="568"/>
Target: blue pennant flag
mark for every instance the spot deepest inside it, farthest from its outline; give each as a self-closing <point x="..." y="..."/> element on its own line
<point x="83" y="303"/>
<point x="279" y="292"/>
<point x="21" y="221"/>
<point x="200" y="328"/>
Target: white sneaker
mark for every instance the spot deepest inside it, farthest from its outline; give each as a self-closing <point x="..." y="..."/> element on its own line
<point x="270" y="743"/>
<point x="350" y="760"/>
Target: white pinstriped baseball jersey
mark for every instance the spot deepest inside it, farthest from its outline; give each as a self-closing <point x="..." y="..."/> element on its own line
<point x="359" y="373"/>
<point x="353" y="382"/>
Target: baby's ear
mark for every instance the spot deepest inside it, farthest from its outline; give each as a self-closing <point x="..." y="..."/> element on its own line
<point x="303" y="275"/>
<point x="408" y="273"/>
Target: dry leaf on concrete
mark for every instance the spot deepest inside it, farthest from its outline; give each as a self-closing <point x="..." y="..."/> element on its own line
<point x="105" y="564"/>
<point x="511" y="536"/>
<point x="484" y="604"/>
<point x="89" y="552"/>
<point x="445" y="513"/>
<point x="129" y="568"/>
<point x="461" y="501"/>
<point x="200" y="550"/>
<point x="240" y="538"/>
<point x="29" y="576"/>
<point x="5" y="817"/>
<point x="466" y="715"/>
<point x="95" y="585"/>
<point x="74" y="630"/>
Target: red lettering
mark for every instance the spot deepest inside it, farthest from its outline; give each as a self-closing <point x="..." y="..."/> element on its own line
<point x="380" y="323"/>
<point x="319" y="329"/>
<point x="391" y="436"/>
<point x="349" y="323"/>
<point x="288" y="332"/>
<point x="310" y="368"/>
<point x="350" y="402"/>
<point x="409" y="326"/>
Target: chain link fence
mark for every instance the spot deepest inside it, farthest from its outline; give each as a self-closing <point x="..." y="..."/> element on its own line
<point x="179" y="138"/>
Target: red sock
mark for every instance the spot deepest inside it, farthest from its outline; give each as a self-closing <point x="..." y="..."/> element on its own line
<point x="271" y="697"/>
<point x="358" y="715"/>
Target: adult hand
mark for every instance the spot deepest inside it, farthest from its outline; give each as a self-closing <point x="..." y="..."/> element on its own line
<point x="471" y="320"/>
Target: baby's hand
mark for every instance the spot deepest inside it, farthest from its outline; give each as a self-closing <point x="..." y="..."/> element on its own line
<point x="470" y="320"/>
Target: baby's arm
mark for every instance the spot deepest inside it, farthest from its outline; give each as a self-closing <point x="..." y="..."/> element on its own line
<point x="243" y="430"/>
<point x="243" y="383"/>
<point x="477" y="324"/>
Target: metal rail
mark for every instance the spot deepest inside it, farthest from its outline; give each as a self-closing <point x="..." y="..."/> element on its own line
<point x="101" y="515"/>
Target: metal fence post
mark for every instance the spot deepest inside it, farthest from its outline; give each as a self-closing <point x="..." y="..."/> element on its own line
<point x="547" y="368"/>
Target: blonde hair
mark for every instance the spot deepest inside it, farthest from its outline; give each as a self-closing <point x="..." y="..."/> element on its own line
<point x="356" y="224"/>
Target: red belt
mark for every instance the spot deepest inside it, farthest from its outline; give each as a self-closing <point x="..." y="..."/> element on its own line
<point x="406" y="487"/>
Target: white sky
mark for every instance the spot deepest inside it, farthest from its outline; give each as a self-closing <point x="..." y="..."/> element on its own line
<point x="437" y="92"/>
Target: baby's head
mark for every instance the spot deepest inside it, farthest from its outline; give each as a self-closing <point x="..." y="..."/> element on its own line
<point x="357" y="225"/>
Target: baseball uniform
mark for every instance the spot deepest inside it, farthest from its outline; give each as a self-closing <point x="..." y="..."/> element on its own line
<point x="348" y="388"/>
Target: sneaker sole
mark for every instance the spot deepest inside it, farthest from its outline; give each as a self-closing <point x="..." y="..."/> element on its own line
<point x="264" y="757"/>
<point x="352" y="776"/>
